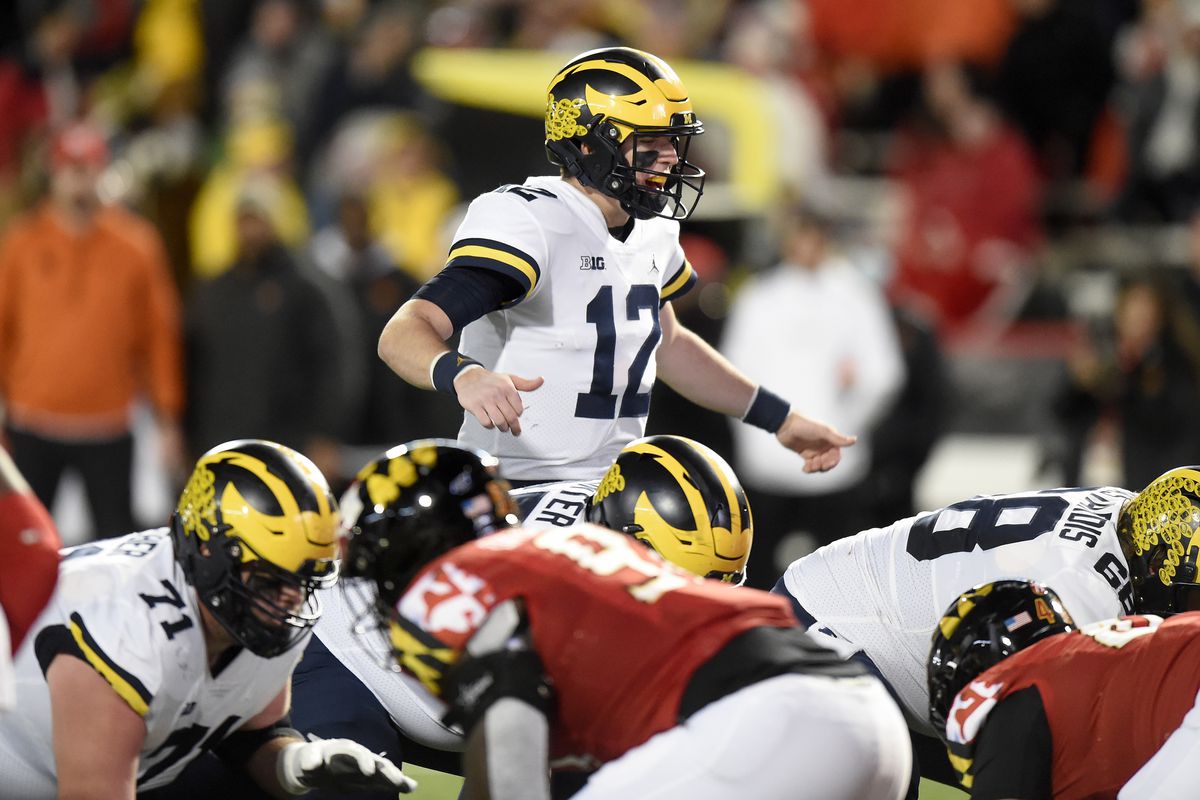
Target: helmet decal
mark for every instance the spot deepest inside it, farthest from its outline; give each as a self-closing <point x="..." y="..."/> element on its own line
<point x="1157" y="529"/>
<point x="610" y="483"/>
<point x="562" y="119"/>
<point x="198" y="504"/>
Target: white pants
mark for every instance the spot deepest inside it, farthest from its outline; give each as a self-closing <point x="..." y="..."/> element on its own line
<point x="789" y="737"/>
<point x="1171" y="773"/>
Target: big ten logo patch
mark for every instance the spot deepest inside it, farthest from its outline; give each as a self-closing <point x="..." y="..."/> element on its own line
<point x="591" y="262"/>
<point x="448" y="603"/>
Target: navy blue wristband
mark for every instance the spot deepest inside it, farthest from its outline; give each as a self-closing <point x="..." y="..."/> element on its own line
<point x="446" y="369"/>
<point x="767" y="411"/>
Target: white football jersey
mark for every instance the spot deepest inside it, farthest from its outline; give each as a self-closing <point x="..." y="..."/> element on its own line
<point x="561" y="504"/>
<point x="124" y="606"/>
<point x="885" y="589"/>
<point x="588" y="323"/>
<point x="364" y="650"/>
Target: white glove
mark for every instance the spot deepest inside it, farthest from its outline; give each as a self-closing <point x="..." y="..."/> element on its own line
<point x="338" y="764"/>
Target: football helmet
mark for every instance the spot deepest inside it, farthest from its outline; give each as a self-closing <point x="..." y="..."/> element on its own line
<point x="255" y="532"/>
<point x="982" y="628"/>
<point x="1157" y="530"/>
<point x="416" y="502"/>
<point x="682" y="500"/>
<point x="598" y="108"/>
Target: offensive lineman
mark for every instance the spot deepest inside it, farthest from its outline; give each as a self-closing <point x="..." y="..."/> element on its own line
<point x="1031" y="705"/>
<point x="577" y="646"/>
<point x="572" y="276"/>
<point x="1102" y="549"/>
<point x="159" y="645"/>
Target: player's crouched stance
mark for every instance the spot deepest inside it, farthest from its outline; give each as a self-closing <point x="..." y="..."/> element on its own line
<point x="579" y="646"/>
<point x="160" y="645"/>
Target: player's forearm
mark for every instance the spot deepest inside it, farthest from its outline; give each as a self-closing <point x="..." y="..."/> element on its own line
<point x="412" y="339"/>
<point x="507" y="754"/>
<point x="263" y="766"/>
<point x="691" y="367"/>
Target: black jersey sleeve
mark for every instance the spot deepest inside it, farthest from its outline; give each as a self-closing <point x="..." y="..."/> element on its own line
<point x="466" y="293"/>
<point x="1013" y="755"/>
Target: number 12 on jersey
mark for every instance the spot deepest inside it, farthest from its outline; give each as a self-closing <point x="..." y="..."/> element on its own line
<point x="599" y="402"/>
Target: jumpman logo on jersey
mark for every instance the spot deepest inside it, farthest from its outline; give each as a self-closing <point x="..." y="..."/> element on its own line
<point x="653" y="265"/>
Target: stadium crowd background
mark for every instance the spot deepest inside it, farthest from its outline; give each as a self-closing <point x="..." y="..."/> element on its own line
<point x="1020" y="179"/>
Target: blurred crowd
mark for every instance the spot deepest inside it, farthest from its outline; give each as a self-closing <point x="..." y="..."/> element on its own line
<point x="216" y="206"/>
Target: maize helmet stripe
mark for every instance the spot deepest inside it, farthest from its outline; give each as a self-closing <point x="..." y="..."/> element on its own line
<point x="679" y="472"/>
<point x="712" y="477"/>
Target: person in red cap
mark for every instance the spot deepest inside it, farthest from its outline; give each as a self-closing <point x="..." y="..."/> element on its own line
<point x="89" y="321"/>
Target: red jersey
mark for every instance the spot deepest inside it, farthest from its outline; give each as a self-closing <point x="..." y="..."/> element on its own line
<point x="619" y="631"/>
<point x="1112" y="692"/>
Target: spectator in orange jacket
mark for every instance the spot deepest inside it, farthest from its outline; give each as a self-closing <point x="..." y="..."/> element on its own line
<point x="89" y="318"/>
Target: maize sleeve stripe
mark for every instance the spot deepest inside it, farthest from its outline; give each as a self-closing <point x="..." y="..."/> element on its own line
<point x="494" y="255"/>
<point x="680" y="283"/>
<point x="127" y="686"/>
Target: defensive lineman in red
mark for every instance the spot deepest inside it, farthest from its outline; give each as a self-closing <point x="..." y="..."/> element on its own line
<point x="580" y="647"/>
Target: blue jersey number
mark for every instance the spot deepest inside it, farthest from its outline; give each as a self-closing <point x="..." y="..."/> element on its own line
<point x="984" y="529"/>
<point x="600" y="402"/>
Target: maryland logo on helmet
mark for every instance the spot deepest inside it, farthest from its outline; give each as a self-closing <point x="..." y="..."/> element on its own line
<point x="600" y="101"/>
<point x="1157" y="531"/>
<point x="254" y="517"/>
<point x="681" y="499"/>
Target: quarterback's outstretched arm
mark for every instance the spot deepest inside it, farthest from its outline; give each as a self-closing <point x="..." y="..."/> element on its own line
<point x="413" y="344"/>
<point x="691" y="367"/>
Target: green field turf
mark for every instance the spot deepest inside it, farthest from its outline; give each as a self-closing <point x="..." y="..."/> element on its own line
<point x="440" y="786"/>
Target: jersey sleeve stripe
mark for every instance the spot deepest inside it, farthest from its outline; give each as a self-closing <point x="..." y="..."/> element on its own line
<point x="128" y="687"/>
<point x="421" y="654"/>
<point x="491" y="254"/>
<point x="680" y="283"/>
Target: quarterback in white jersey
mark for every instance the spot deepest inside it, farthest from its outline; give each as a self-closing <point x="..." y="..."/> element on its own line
<point x="561" y="288"/>
<point x="159" y="645"/>
<point x="885" y="589"/>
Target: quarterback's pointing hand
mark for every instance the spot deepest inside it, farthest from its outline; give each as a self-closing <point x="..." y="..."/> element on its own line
<point x="339" y="765"/>
<point x="494" y="397"/>
<point x="819" y="445"/>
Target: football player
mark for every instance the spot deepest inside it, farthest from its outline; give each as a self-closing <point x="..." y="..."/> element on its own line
<point x="571" y="276"/>
<point x="1105" y="550"/>
<point x="29" y="558"/>
<point x="1032" y="705"/>
<point x="673" y="494"/>
<point x="579" y="646"/>
<point x="160" y="645"/>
